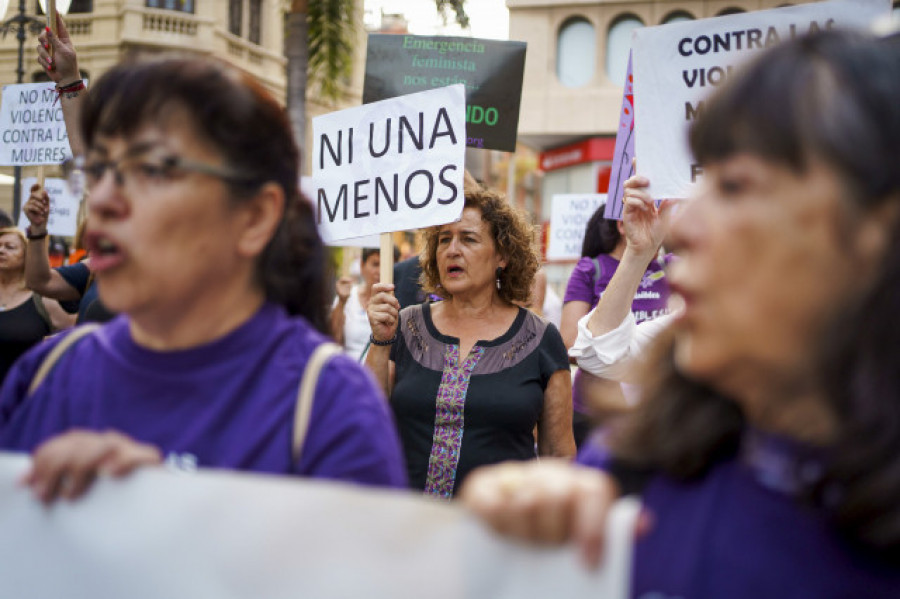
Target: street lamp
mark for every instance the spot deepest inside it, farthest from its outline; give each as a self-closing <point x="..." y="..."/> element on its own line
<point x="20" y="23"/>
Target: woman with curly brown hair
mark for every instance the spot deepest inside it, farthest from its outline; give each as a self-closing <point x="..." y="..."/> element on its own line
<point x="471" y="376"/>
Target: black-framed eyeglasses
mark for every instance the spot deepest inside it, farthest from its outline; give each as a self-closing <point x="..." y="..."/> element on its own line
<point x="141" y="173"/>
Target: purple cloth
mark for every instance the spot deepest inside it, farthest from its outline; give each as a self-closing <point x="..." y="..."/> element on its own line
<point x="649" y="301"/>
<point x="227" y="404"/>
<point x="739" y="532"/>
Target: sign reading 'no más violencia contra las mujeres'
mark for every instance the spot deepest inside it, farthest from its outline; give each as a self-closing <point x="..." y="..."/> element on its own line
<point x="490" y="70"/>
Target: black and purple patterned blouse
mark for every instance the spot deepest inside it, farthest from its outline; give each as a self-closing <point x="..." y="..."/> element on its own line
<point x="456" y="413"/>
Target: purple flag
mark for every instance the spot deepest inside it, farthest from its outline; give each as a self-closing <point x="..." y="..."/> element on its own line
<point x="624" y="152"/>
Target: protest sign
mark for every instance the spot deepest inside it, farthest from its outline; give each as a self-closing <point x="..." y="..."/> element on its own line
<point x="676" y="66"/>
<point x="569" y="215"/>
<point x="624" y="153"/>
<point x="32" y="130"/>
<point x="307" y="188"/>
<point x="63" y="218"/>
<point x="391" y="165"/>
<point x="233" y="536"/>
<point x="490" y="70"/>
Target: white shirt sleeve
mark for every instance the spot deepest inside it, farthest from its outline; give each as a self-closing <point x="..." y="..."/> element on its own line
<point x="612" y="354"/>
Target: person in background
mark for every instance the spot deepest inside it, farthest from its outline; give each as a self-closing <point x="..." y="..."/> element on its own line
<point x="469" y="377"/>
<point x="610" y="344"/>
<point x="5" y="220"/>
<point x="601" y="250"/>
<point x="349" y="321"/>
<point x="58" y="251"/>
<point x="765" y="449"/>
<point x="408" y="273"/>
<point x="202" y="243"/>
<point x="73" y="284"/>
<point x="25" y="317"/>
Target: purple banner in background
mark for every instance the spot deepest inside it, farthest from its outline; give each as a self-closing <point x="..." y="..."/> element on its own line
<point x="624" y="152"/>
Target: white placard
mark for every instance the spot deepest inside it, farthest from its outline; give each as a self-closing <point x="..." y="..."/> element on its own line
<point x="32" y="129"/>
<point x="391" y="165"/>
<point x="63" y="206"/>
<point x="369" y="241"/>
<point x="569" y="215"/>
<point x="233" y="536"/>
<point x="677" y="65"/>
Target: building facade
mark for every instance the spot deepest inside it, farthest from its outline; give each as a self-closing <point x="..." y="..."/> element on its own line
<point x="247" y="33"/>
<point x="574" y="75"/>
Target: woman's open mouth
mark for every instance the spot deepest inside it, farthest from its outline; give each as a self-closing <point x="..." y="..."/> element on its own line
<point x="104" y="252"/>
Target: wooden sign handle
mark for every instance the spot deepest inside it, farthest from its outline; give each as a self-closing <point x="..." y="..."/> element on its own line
<point x="387" y="258"/>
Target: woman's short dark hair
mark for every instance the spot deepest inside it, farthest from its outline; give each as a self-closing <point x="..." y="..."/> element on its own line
<point x="601" y="235"/>
<point x="833" y="98"/>
<point x="366" y="252"/>
<point x="233" y="112"/>
<point x="513" y="239"/>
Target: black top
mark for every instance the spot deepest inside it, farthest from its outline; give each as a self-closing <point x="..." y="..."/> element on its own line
<point x="20" y="328"/>
<point x="455" y="415"/>
<point x="406" y="282"/>
<point x="90" y="308"/>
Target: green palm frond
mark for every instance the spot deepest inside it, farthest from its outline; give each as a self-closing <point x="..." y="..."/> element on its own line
<point x="332" y="34"/>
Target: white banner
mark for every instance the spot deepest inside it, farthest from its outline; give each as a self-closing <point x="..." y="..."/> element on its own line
<point x="63" y="206"/>
<point x="392" y="165"/>
<point x="569" y="215"/>
<point x="677" y="65"/>
<point x="228" y="536"/>
<point x="32" y="130"/>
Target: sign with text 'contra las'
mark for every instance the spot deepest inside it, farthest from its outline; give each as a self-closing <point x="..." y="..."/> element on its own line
<point x="392" y="165"/>
<point x="490" y="70"/>
<point x="32" y="129"/>
<point x="569" y="215"/>
<point x="677" y="66"/>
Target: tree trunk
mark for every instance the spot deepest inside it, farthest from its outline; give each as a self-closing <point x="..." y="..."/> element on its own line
<point x="296" y="49"/>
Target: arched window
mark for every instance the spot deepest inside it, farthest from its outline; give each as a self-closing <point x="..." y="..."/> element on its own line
<point x="618" y="45"/>
<point x="730" y="11"/>
<point x="677" y="16"/>
<point x="575" y="51"/>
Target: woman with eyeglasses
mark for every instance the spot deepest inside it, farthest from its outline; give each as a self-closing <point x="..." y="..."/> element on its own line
<point x="766" y="450"/>
<point x="201" y="242"/>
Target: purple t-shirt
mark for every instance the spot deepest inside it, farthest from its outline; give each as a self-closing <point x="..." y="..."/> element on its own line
<point x="226" y="404"/>
<point x="585" y="286"/>
<point x="739" y="532"/>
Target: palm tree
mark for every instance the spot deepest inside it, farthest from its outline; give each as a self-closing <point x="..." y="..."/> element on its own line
<point x="318" y="44"/>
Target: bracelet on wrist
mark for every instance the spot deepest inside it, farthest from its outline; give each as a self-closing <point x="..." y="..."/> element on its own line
<point x="76" y="85"/>
<point x="70" y="90"/>
<point x="34" y="236"/>
<point x="375" y="341"/>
